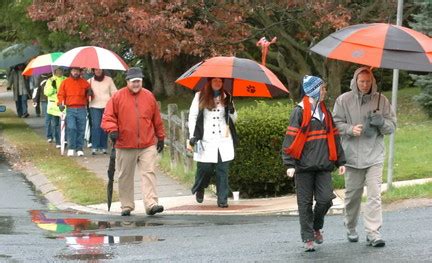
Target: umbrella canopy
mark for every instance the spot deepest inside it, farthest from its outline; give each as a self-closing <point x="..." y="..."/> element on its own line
<point x="379" y="45"/>
<point x="17" y="54"/>
<point x="41" y="64"/>
<point x="56" y="227"/>
<point x="245" y="77"/>
<point x="91" y="57"/>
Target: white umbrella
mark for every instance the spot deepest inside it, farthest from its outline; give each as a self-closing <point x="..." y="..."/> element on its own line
<point x="91" y="57"/>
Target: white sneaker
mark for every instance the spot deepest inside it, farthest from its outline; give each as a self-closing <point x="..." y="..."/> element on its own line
<point x="80" y="153"/>
<point x="49" y="140"/>
<point x="70" y="153"/>
<point x="58" y="146"/>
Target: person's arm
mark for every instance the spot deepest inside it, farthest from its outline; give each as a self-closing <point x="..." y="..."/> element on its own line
<point x="291" y="132"/>
<point x="157" y="121"/>
<point x="193" y="114"/>
<point x="61" y="95"/>
<point x="112" y="88"/>
<point x="49" y="89"/>
<point x="389" y="115"/>
<point x="109" y="118"/>
<point x="339" y="117"/>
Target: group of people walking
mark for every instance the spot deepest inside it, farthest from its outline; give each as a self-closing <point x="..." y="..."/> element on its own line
<point x="350" y="139"/>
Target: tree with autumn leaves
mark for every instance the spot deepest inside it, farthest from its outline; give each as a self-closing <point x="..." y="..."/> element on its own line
<point x="167" y="37"/>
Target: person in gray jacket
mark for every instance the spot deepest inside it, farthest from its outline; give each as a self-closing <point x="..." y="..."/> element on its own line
<point x="363" y="116"/>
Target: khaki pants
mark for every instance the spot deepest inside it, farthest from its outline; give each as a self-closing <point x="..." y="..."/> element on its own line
<point x="355" y="180"/>
<point x="145" y="160"/>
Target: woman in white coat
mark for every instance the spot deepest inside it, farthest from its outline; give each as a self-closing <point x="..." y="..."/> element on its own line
<point x="213" y="136"/>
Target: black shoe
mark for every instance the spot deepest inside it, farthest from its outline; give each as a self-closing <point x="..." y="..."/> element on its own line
<point x="25" y="115"/>
<point x="225" y="205"/>
<point x="199" y="196"/>
<point x="155" y="209"/>
<point x="126" y="212"/>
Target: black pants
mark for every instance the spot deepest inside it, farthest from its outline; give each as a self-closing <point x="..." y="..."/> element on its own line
<point x="204" y="173"/>
<point x="310" y="184"/>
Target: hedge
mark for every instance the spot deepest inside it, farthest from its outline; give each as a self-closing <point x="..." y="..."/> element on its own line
<point x="257" y="170"/>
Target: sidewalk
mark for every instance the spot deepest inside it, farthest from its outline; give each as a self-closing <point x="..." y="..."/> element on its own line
<point x="175" y="197"/>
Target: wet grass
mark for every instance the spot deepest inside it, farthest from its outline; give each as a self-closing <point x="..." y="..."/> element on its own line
<point x="408" y="192"/>
<point x="78" y="184"/>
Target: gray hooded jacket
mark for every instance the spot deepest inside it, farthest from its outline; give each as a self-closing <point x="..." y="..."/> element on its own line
<point x="352" y="108"/>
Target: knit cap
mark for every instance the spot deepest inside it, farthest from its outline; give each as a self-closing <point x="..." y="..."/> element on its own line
<point x="311" y="86"/>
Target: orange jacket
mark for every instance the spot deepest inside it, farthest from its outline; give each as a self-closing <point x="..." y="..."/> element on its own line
<point x="72" y="92"/>
<point x="136" y="117"/>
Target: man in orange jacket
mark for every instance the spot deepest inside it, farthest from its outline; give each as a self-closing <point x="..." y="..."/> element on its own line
<point x="133" y="122"/>
<point x="73" y="95"/>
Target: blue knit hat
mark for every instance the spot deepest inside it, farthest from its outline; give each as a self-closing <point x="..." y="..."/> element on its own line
<point x="311" y="86"/>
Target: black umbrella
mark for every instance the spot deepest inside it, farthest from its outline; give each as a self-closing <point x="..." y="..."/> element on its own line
<point x="111" y="171"/>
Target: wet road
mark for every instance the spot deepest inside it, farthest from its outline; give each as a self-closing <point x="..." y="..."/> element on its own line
<point x="31" y="232"/>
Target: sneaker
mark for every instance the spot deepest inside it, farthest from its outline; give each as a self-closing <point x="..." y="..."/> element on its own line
<point x="223" y="205"/>
<point x="25" y="115"/>
<point x="352" y="236"/>
<point x="199" y="196"/>
<point x="126" y="212"/>
<point x="318" y="237"/>
<point x="89" y="145"/>
<point x="104" y="151"/>
<point x="309" y="246"/>
<point x="58" y="146"/>
<point x="80" y="153"/>
<point x="375" y="242"/>
<point x="155" y="209"/>
<point x="94" y="151"/>
<point x="70" y="153"/>
<point x="49" y="140"/>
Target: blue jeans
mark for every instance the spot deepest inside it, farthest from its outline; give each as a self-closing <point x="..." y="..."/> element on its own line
<point x="21" y="105"/>
<point x="75" y="125"/>
<point x="52" y="127"/>
<point x="99" y="137"/>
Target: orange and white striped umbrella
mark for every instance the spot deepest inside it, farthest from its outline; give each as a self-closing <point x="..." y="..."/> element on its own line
<point x="91" y="57"/>
<point x="379" y="45"/>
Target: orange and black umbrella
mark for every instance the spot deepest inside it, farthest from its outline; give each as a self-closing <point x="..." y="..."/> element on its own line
<point x="243" y="77"/>
<point x="379" y="45"/>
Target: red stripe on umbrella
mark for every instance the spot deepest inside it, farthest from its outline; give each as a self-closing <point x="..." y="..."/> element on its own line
<point x="87" y="56"/>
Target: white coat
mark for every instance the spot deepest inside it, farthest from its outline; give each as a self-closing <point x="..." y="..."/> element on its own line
<point x="215" y="136"/>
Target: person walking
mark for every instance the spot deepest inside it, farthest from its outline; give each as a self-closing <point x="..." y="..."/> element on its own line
<point x="52" y="118"/>
<point x="20" y="89"/>
<point x="102" y="88"/>
<point x="363" y="116"/>
<point x="212" y="133"/>
<point x="73" y="95"/>
<point x="133" y="122"/>
<point x="311" y="151"/>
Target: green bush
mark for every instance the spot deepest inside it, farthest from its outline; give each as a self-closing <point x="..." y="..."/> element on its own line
<point x="257" y="170"/>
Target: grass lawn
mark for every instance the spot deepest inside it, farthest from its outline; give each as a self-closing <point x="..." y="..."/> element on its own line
<point x="76" y="183"/>
<point x="407" y="192"/>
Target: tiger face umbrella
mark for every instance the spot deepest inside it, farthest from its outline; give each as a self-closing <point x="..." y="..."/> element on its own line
<point x="379" y="45"/>
<point x="243" y="77"/>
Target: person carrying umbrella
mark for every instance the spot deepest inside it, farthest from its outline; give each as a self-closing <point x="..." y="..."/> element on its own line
<point x="363" y="116"/>
<point x="73" y="95"/>
<point x="52" y="118"/>
<point x="311" y="151"/>
<point x="133" y="122"/>
<point x="212" y="132"/>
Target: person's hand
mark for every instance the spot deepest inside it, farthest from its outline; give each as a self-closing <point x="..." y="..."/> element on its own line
<point x="290" y="172"/>
<point x="160" y="145"/>
<point x="376" y="120"/>
<point x="193" y="141"/>
<point x="62" y="107"/>
<point x="357" y="129"/>
<point x="342" y="170"/>
<point x="90" y="93"/>
<point x="113" y="135"/>
<point x="230" y="107"/>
